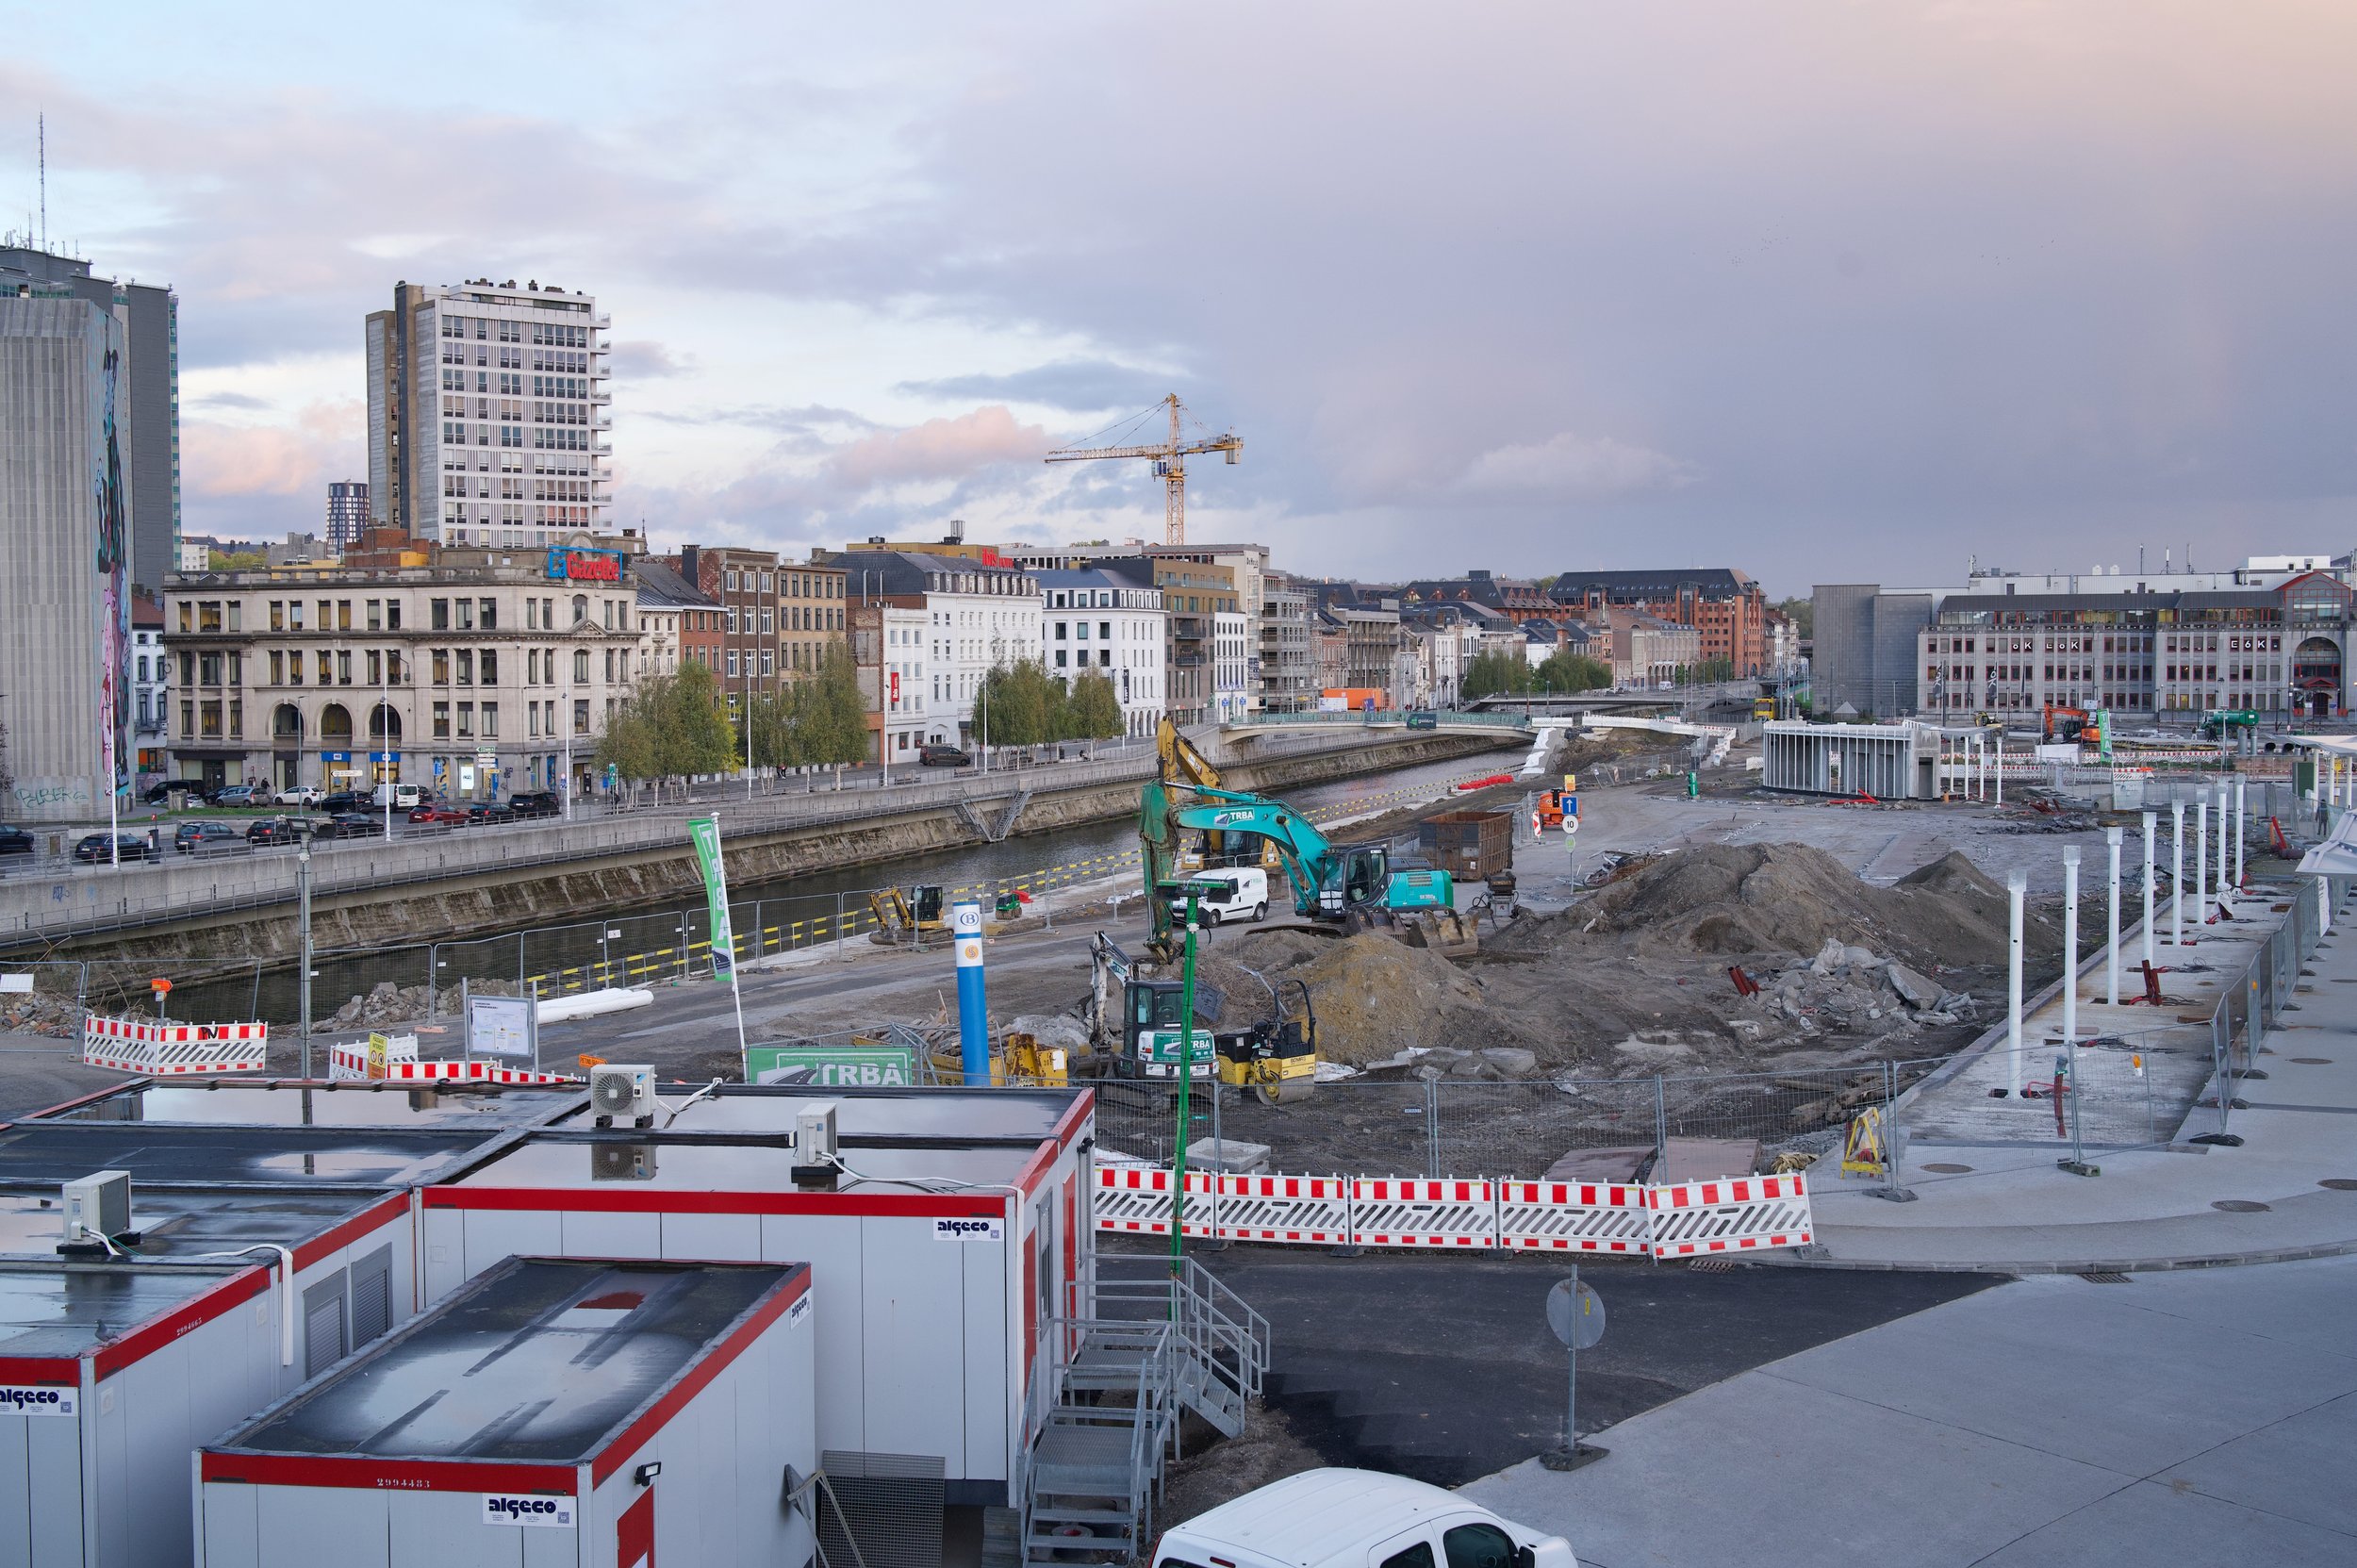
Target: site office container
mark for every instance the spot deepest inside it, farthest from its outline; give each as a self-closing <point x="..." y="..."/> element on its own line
<point x="589" y="1414"/>
<point x="934" y="1271"/>
<point x="95" y="1436"/>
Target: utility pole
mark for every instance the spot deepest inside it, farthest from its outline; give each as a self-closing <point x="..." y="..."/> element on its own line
<point x="303" y="916"/>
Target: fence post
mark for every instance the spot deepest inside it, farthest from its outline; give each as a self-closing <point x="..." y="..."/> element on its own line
<point x="1893" y="1146"/>
<point x="1432" y="1128"/>
<point x="1660" y="1127"/>
<point x="838" y="923"/>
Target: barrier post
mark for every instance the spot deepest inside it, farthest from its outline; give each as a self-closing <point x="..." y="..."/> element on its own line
<point x="1432" y="1128"/>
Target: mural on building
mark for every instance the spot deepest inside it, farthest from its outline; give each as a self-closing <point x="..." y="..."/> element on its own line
<point x="114" y="598"/>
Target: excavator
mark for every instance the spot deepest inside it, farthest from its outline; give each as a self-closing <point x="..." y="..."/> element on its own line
<point x="1182" y="764"/>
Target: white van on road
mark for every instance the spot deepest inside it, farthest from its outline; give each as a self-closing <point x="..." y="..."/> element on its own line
<point x="1243" y="895"/>
<point x="1357" y="1519"/>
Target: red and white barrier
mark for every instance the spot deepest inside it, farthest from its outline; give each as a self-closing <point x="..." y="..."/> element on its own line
<point x="1623" y="1219"/>
<point x="165" y="1049"/>
<point x="398" y="1063"/>
<point x="1729" y="1215"/>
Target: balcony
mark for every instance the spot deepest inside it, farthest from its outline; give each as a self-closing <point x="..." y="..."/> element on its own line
<point x="601" y="397"/>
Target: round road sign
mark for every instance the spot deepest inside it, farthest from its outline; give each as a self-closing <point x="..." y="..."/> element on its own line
<point x="1571" y="827"/>
<point x="1575" y="1313"/>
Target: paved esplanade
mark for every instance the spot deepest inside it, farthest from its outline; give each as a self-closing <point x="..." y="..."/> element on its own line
<point x="2186" y="1418"/>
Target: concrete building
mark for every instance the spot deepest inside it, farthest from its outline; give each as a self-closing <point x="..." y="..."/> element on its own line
<point x="1865" y="648"/>
<point x="68" y="510"/>
<point x="479" y="676"/>
<point x="1230" y="581"/>
<point x="1095" y="618"/>
<point x="489" y="419"/>
<point x="1647" y="651"/>
<point x="347" y="512"/>
<point x="1289" y="676"/>
<point x="671" y="612"/>
<point x="1234" y="692"/>
<point x="778" y="619"/>
<point x="1726" y="609"/>
<point x="151" y="692"/>
<point x="975" y="618"/>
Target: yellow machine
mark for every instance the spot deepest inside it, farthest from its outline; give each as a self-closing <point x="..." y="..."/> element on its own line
<point x="1021" y="1060"/>
<point x="1182" y="764"/>
<point x="901" y="914"/>
<point x="1763" y="707"/>
<point x="1277" y="1059"/>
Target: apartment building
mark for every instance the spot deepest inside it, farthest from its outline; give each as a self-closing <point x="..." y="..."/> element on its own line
<point x="1726" y="609"/>
<point x="347" y="512"/>
<point x="1095" y="618"/>
<point x="677" y="624"/>
<point x="150" y="690"/>
<point x="490" y="422"/>
<point x="479" y="676"/>
<point x="975" y="616"/>
<point x="777" y="617"/>
<point x="1289" y="676"/>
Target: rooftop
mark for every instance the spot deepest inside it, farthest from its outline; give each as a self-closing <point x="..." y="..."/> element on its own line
<point x="751" y="1167"/>
<point x="1031" y="1115"/>
<point x="179" y="1223"/>
<point x="54" y="1309"/>
<point x="536" y="1362"/>
<point x="294" y="1102"/>
<point x="42" y="1153"/>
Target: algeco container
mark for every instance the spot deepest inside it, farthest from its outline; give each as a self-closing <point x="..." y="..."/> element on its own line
<point x="597" y="1414"/>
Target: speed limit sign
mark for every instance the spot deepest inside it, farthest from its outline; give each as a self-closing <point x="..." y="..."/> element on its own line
<point x="1571" y="827"/>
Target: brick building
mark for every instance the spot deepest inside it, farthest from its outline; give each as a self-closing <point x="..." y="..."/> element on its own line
<point x="1727" y="610"/>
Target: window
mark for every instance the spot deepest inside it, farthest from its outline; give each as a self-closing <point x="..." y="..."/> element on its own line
<point x="532" y="719"/>
<point x="532" y="614"/>
<point x="581" y="609"/>
<point x="278" y="668"/>
<point x="343" y="668"/>
<point x="441" y="666"/>
<point x="1477" y="1546"/>
<point x="237" y="615"/>
<point x="237" y="669"/>
<point x="466" y="719"/>
<point x="1417" y="1556"/>
<point x="489" y="615"/>
<point x="466" y="666"/>
<point x="237" y="719"/>
<point x="326" y="669"/>
<point x="440" y="615"/>
<point x="392" y="615"/>
<point x="188" y="719"/>
<point x="277" y="616"/>
<point x="465" y="614"/>
<point x="581" y="665"/>
<point x="581" y="716"/>
<point x="294" y="615"/>
<point x="490" y="667"/>
<point x="490" y="720"/>
<point x="733" y="673"/>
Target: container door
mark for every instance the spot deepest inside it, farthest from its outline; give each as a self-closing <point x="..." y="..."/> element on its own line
<point x="634" y="1533"/>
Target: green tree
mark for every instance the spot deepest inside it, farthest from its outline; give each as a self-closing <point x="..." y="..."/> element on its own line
<point x="1017" y="704"/>
<point x="1802" y="613"/>
<point x="833" y="712"/>
<point x="1093" y="711"/>
<point x="673" y="726"/>
<point x="1565" y="671"/>
<point x="1496" y="674"/>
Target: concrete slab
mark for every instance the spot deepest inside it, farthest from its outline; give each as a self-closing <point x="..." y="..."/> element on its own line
<point x="2149" y="1523"/>
<point x="2295" y="1469"/>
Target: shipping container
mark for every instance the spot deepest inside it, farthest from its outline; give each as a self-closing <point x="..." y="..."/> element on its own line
<point x="590" y="1412"/>
<point x="1468" y="844"/>
<point x="956" y="1231"/>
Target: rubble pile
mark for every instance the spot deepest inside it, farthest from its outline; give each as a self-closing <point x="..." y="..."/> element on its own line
<point x="60" y="1018"/>
<point x="389" y="1003"/>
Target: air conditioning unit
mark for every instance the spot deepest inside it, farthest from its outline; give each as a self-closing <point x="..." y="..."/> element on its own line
<point x="97" y="1206"/>
<point x="621" y="1162"/>
<point x="622" y="1092"/>
<point x="815" y="1145"/>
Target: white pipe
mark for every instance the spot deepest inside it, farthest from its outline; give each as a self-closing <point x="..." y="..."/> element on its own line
<point x="2016" y="882"/>
<point x="2150" y="819"/>
<point x="2001" y="769"/>
<point x="2242" y="829"/>
<point x="2177" y="874"/>
<point x="2222" y="843"/>
<point x="2070" y="945"/>
<point x="2200" y="846"/>
<point x="589" y="1004"/>
<point x="2111" y="914"/>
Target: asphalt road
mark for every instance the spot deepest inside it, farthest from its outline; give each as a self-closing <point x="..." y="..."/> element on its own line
<point x="1442" y="1368"/>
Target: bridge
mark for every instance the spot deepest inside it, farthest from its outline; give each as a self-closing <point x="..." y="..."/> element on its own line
<point x="1503" y="724"/>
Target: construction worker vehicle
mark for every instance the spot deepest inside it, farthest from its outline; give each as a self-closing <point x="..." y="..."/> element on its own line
<point x="2228" y="723"/>
<point x="1278" y="1058"/>
<point x="903" y="914"/>
<point x="1182" y="764"/>
<point x="1136" y="1019"/>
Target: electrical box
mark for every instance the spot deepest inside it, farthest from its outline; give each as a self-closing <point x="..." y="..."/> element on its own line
<point x="98" y="1206"/>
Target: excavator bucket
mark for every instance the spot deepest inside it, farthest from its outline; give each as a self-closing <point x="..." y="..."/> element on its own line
<point x="1443" y="930"/>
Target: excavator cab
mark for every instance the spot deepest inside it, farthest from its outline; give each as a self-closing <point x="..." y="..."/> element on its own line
<point x="1154" y="1024"/>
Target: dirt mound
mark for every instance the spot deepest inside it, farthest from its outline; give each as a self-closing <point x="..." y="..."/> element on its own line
<point x="1733" y="900"/>
<point x="1375" y="996"/>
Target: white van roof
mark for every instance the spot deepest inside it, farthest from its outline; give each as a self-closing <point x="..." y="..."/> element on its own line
<point x="1303" y="1518"/>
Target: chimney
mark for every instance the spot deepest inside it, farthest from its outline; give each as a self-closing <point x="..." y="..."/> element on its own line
<point x="957" y="532"/>
<point x="688" y="558"/>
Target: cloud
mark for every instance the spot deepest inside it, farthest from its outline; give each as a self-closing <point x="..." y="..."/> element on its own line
<point x="232" y="400"/>
<point x="1573" y="468"/>
<point x="937" y="449"/>
<point x="1077" y="385"/>
<point x="641" y="359"/>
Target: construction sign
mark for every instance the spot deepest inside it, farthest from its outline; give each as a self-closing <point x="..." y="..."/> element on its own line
<point x="1862" y="1150"/>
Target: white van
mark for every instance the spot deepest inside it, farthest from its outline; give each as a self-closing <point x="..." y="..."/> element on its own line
<point x="1356" y="1519"/>
<point x="405" y="796"/>
<point x="1243" y="895"/>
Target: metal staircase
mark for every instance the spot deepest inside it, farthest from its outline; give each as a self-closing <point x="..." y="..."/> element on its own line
<point x="1106" y="1398"/>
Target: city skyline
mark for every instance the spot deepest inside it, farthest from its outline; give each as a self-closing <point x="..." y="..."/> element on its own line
<point x="1660" y="297"/>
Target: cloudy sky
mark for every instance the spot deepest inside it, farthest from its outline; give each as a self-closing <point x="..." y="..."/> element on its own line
<point x="1828" y="291"/>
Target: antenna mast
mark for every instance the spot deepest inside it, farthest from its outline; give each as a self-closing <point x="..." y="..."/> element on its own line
<point x="43" y="125"/>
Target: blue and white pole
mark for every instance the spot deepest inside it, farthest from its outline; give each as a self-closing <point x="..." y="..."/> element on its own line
<point x="966" y="934"/>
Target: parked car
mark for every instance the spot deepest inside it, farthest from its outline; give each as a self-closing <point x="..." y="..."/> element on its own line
<point x="540" y="803"/>
<point x="277" y="830"/>
<point x="1352" y="1518"/>
<point x="341" y="800"/>
<point x="161" y="792"/>
<point x="943" y="756"/>
<point x="241" y="795"/>
<point x="196" y="838"/>
<point x="348" y="824"/>
<point x="301" y="795"/>
<point x="404" y="795"/>
<point x="436" y="814"/>
<point x="92" y="847"/>
<point x="1242" y="895"/>
<point x="15" y="841"/>
<point x="491" y="811"/>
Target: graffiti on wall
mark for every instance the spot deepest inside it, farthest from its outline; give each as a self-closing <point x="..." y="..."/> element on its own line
<point x="113" y="565"/>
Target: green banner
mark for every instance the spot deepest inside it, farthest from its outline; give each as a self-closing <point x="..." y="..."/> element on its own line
<point x="705" y="832"/>
<point x="831" y="1066"/>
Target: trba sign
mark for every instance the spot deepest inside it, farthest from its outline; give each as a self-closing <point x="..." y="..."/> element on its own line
<point x="831" y="1067"/>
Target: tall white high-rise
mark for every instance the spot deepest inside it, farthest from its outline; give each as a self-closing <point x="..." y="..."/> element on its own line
<point x="490" y="417"/>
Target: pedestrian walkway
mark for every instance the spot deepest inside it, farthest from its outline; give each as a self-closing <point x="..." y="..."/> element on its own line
<point x="2189" y="1419"/>
<point x="1983" y="1170"/>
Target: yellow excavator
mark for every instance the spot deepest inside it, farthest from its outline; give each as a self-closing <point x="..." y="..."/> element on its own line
<point x="1181" y="763"/>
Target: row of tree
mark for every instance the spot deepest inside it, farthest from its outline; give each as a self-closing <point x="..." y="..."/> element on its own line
<point x="681" y="725"/>
<point x="1508" y="674"/>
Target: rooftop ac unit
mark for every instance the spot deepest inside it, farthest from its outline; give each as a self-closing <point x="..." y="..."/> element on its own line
<point x="815" y="1145"/>
<point x="622" y="1092"/>
<point x="96" y="1207"/>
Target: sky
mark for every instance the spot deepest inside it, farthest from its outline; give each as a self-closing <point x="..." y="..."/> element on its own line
<point x="1826" y="291"/>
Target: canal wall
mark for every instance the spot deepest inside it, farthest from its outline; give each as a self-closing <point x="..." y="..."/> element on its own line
<point x="475" y="881"/>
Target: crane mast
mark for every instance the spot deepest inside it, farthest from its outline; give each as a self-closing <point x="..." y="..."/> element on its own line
<point x="1170" y="461"/>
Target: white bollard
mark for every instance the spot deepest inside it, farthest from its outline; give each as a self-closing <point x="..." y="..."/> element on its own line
<point x="2070" y="945"/>
<point x="2200" y="849"/>
<point x="2177" y="873"/>
<point x="2150" y="819"/>
<point x="2111" y="914"/>
<point x="2016" y="882"/>
<point x="2001" y="770"/>
<point x="2221" y="844"/>
<point x="2242" y="829"/>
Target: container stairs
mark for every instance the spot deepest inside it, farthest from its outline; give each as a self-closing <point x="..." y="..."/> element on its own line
<point x="1108" y="1395"/>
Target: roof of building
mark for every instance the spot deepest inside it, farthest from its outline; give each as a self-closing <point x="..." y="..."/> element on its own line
<point x="344" y="1102"/>
<point x="1709" y="581"/>
<point x="42" y="1152"/>
<point x="662" y="587"/>
<point x="182" y="1223"/>
<point x="901" y="572"/>
<point x="56" y="1309"/>
<point x="538" y="1361"/>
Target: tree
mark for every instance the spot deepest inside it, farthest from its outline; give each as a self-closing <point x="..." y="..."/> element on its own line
<point x="1093" y="711"/>
<point x="1018" y="704"/>
<point x="674" y="726"/>
<point x="1496" y="674"/>
<point x="1802" y="613"/>
<point x="834" y="713"/>
<point x="1565" y="671"/>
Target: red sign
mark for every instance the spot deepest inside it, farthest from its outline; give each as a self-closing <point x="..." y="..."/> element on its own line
<point x="895" y="686"/>
<point x="585" y="565"/>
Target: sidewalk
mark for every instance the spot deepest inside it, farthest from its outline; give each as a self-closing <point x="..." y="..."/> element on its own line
<point x="2187" y="1419"/>
<point x="1988" y="1194"/>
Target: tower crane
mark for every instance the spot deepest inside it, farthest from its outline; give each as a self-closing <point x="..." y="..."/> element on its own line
<point x="1170" y="462"/>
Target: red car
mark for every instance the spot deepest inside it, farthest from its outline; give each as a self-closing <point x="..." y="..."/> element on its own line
<point x="440" y="815"/>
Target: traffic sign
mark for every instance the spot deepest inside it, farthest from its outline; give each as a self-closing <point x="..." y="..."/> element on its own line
<point x="1571" y="825"/>
<point x="1575" y="1312"/>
